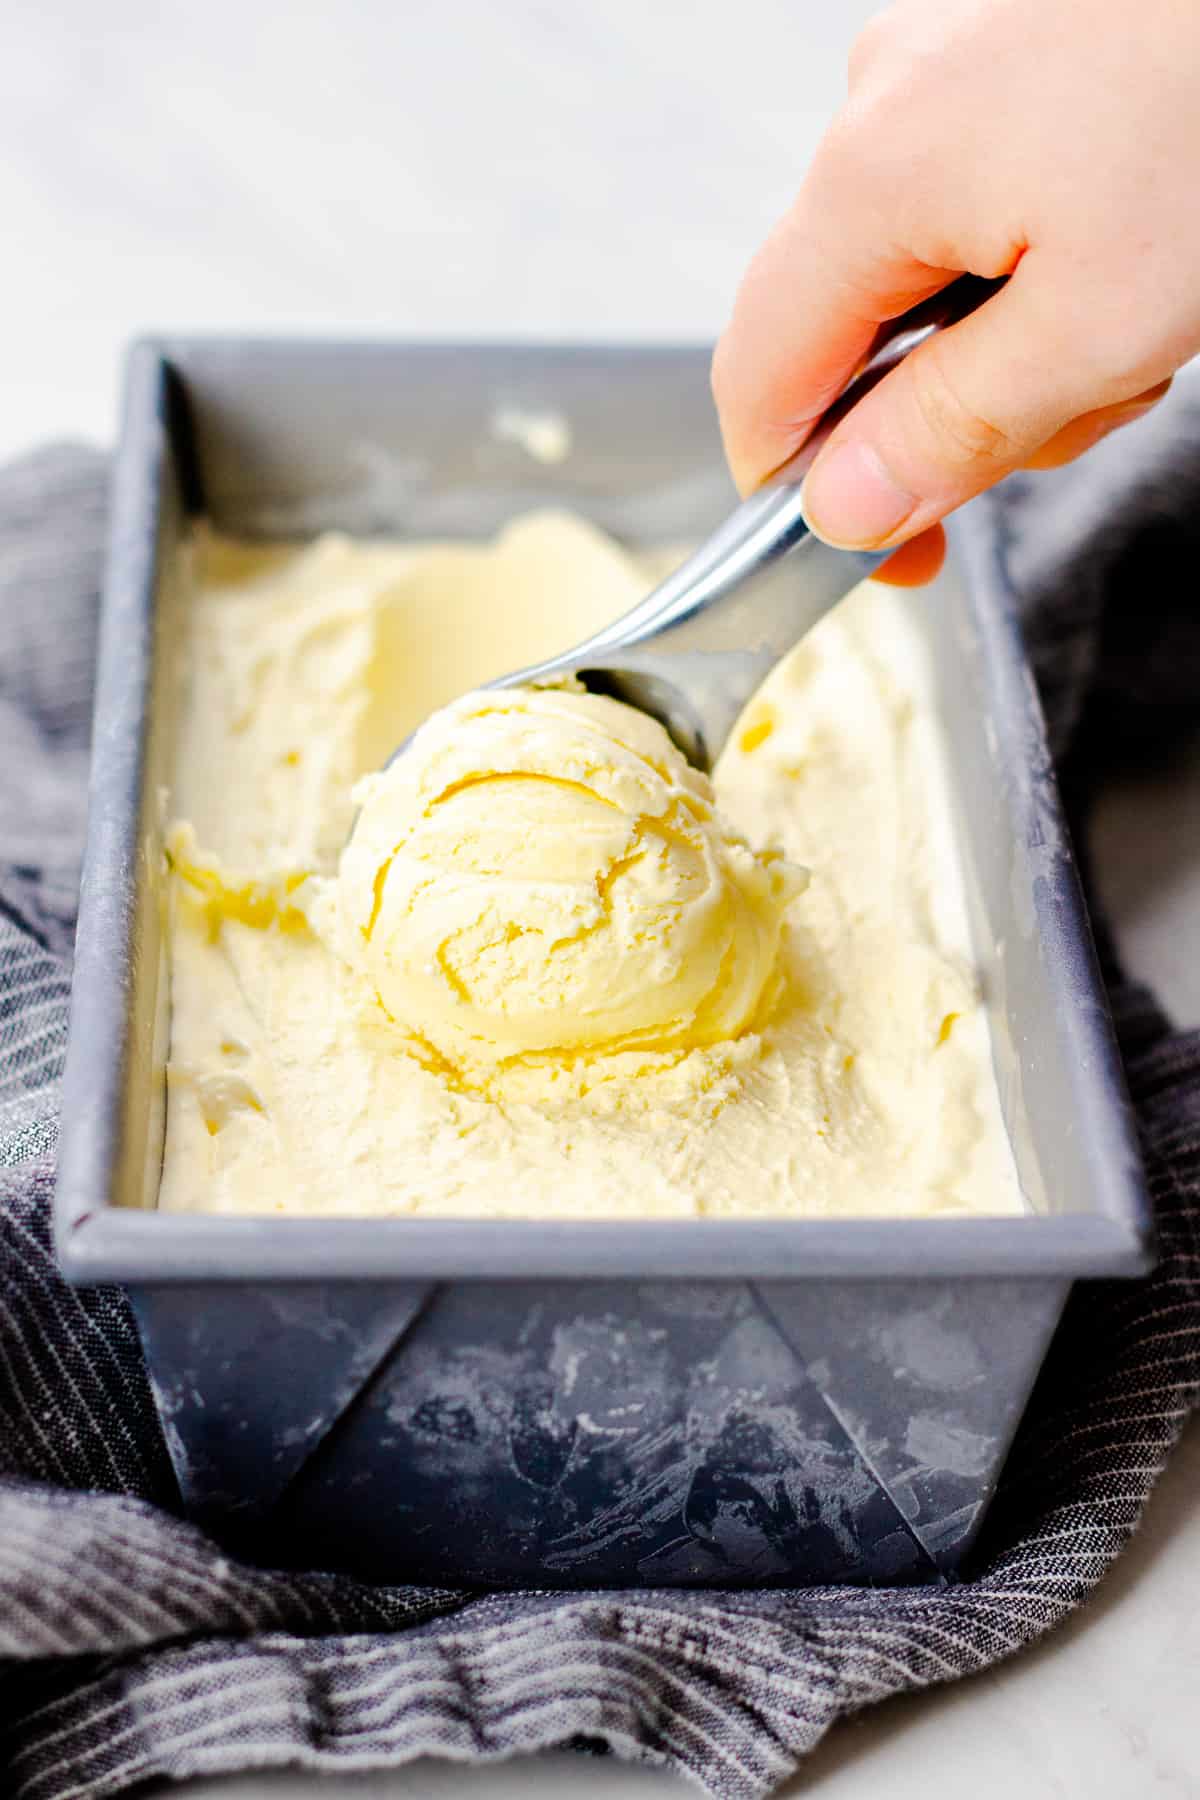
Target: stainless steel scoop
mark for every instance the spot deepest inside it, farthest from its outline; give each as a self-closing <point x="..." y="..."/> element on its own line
<point x="693" y="652"/>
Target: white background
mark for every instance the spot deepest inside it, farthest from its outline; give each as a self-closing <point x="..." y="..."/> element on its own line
<point x="541" y="168"/>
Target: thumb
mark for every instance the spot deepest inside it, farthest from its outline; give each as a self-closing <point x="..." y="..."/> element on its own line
<point x="964" y="409"/>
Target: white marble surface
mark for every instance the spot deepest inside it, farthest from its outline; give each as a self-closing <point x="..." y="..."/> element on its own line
<point x="466" y="166"/>
<point x="395" y="166"/>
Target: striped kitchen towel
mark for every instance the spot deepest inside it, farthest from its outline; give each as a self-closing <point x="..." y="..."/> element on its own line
<point x="133" y="1647"/>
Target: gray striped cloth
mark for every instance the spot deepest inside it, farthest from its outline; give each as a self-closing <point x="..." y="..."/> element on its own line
<point x="132" y="1648"/>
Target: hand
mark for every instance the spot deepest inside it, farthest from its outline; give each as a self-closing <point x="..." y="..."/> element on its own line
<point x="1054" y="140"/>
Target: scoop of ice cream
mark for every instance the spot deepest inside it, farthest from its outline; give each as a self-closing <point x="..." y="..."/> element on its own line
<point x="542" y="871"/>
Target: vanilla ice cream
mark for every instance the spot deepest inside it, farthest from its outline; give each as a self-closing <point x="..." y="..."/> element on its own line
<point x="544" y="872"/>
<point x="539" y="966"/>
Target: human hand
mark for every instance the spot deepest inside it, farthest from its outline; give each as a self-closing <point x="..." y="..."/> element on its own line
<point x="1053" y="140"/>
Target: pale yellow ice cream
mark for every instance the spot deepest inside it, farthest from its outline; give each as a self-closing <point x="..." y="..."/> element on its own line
<point x="544" y="872"/>
<point x="552" y="977"/>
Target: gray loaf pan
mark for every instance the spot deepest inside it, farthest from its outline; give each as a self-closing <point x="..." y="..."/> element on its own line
<point x="693" y="1402"/>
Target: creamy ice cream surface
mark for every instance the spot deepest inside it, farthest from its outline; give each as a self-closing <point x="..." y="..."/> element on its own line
<point x="542" y="872"/>
<point x="538" y="966"/>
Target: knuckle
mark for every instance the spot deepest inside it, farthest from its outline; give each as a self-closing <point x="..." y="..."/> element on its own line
<point x="870" y="42"/>
<point x="862" y="162"/>
<point x="962" y="430"/>
<point x="852" y="153"/>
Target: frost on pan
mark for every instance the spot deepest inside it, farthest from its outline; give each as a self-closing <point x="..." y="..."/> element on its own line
<point x="620" y="1431"/>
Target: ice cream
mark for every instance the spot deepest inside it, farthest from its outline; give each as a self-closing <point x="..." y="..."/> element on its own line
<point x="551" y="973"/>
<point x="544" y="872"/>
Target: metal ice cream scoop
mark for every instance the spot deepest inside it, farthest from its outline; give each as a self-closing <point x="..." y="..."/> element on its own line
<point x="693" y="652"/>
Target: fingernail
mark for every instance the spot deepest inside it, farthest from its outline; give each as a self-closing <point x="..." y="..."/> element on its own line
<point x="851" y="501"/>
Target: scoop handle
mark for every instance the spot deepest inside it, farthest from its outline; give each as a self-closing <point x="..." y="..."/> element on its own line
<point x="690" y="607"/>
<point x="693" y="651"/>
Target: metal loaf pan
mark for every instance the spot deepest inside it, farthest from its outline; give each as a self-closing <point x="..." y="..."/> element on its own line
<point x="692" y="1402"/>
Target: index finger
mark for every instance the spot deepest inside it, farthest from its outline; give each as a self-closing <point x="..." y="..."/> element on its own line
<point x="808" y="307"/>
